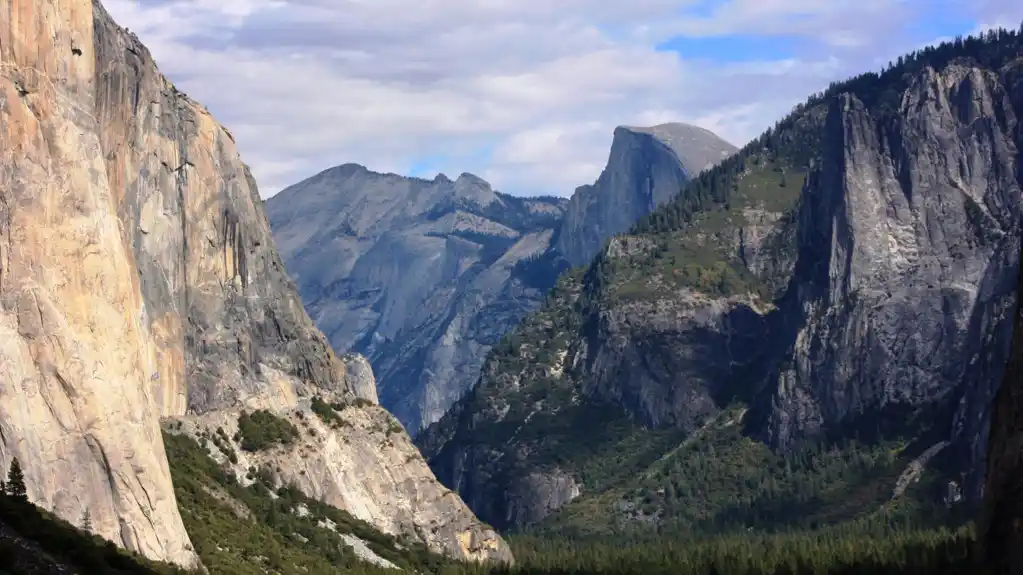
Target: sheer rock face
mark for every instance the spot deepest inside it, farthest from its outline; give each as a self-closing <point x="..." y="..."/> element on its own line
<point x="539" y="494"/>
<point x="353" y="239"/>
<point x="219" y="306"/>
<point x="909" y="251"/>
<point x="138" y="280"/>
<point x="360" y="377"/>
<point x="646" y="167"/>
<point x="77" y="404"/>
<point x="668" y="358"/>
<point x="693" y="350"/>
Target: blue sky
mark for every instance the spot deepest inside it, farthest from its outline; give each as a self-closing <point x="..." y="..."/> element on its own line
<point x="428" y="165"/>
<point x="735" y="48"/>
<point x="523" y="94"/>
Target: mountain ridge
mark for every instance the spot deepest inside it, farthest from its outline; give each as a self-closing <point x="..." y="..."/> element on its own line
<point x="726" y="295"/>
<point x="459" y="238"/>
<point x="426" y="341"/>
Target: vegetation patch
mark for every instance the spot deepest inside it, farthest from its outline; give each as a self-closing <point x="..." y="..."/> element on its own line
<point x="719" y="481"/>
<point x="279" y="540"/>
<point x="362" y="402"/>
<point x="847" y="550"/>
<point x="328" y="413"/>
<point x="289" y="533"/>
<point x="223" y="443"/>
<point x="262" y="430"/>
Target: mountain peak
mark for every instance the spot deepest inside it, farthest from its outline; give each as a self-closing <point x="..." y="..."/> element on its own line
<point x="470" y="178"/>
<point x="697" y="148"/>
<point x="668" y="127"/>
<point x="645" y="168"/>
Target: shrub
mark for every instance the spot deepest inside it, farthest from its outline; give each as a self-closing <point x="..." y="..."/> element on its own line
<point x="262" y="430"/>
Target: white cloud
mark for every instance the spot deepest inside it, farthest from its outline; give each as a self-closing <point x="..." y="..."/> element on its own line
<point x="306" y="84"/>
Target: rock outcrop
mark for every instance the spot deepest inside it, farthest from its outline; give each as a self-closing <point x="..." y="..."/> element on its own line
<point x="352" y="238"/>
<point x="646" y="168"/>
<point x="858" y="278"/>
<point x="139" y="280"/>
<point x="360" y="460"/>
<point x="541" y="494"/>
<point x="909" y="249"/>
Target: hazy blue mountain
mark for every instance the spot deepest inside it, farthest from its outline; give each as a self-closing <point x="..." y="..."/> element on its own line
<point x="424" y="276"/>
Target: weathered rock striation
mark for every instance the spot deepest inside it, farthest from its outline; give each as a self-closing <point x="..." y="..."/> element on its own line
<point x="877" y="298"/>
<point x="139" y="280"/>
<point x="423" y="277"/>
<point x="78" y="406"/>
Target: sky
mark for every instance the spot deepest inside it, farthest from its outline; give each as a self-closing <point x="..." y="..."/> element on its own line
<point x="523" y="93"/>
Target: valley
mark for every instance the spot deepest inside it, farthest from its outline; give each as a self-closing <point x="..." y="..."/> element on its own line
<point x="797" y="357"/>
<point x="483" y="259"/>
<point x="736" y="361"/>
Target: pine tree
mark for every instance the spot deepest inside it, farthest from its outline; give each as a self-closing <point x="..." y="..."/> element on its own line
<point x="15" y="487"/>
<point x="87" y="520"/>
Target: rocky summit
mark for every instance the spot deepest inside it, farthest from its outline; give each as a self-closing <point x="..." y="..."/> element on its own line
<point x="834" y="303"/>
<point x="423" y="277"/>
<point x="139" y="281"/>
<point x="646" y="168"/>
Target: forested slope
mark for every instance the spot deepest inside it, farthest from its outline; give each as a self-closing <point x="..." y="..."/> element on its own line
<point x="805" y="331"/>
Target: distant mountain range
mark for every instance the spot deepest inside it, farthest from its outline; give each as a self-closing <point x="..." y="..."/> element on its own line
<point x="423" y="277"/>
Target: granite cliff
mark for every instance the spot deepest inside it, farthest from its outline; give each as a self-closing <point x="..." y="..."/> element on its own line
<point x="481" y="260"/>
<point x="139" y="281"/>
<point x="840" y="290"/>
<point x="645" y="168"/>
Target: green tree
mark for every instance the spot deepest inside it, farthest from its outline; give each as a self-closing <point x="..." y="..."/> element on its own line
<point x="15" y="486"/>
<point x="87" y="520"/>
